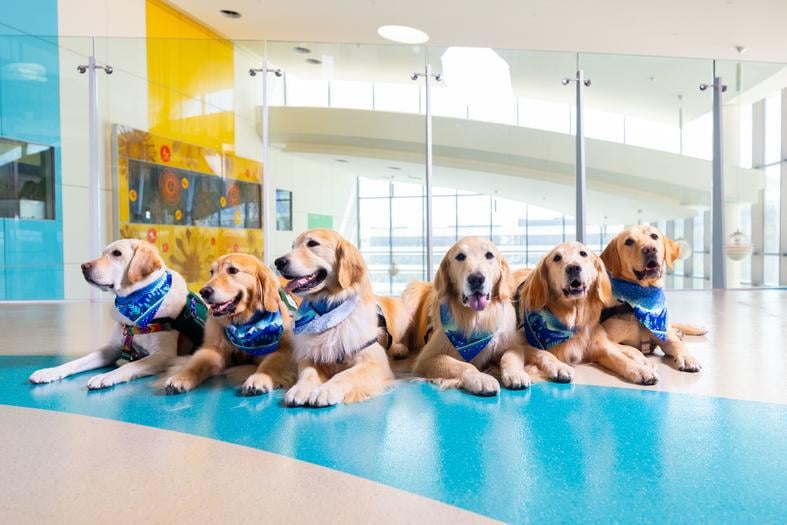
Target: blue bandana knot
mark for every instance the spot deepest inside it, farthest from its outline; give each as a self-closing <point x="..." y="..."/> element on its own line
<point x="316" y="317"/>
<point x="258" y="337"/>
<point x="543" y="330"/>
<point x="140" y="306"/>
<point x="467" y="346"/>
<point x="648" y="304"/>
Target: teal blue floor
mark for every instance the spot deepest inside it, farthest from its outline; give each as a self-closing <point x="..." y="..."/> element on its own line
<point x="553" y="453"/>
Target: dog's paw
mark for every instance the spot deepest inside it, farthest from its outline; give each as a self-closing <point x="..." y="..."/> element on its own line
<point x="480" y="384"/>
<point x="398" y="351"/>
<point x="687" y="363"/>
<point x="642" y="375"/>
<point x="515" y="379"/>
<point x="325" y="395"/>
<point x="180" y="383"/>
<point x="46" y="375"/>
<point x="560" y="372"/>
<point x="257" y="384"/>
<point x="298" y="395"/>
<point x="107" y="380"/>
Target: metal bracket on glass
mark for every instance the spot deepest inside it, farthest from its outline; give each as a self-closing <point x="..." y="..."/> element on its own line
<point x="82" y="68"/>
<point x="437" y="76"/>
<point x="703" y="87"/>
<point x="253" y="71"/>
<point x="566" y="81"/>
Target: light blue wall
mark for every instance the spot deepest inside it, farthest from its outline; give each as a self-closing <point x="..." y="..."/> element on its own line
<point x="31" y="252"/>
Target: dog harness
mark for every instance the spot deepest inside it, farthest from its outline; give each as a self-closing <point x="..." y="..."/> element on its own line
<point x="543" y="330"/>
<point x="647" y="303"/>
<point x="260" y="336"/>
<point x="467" y="346"/>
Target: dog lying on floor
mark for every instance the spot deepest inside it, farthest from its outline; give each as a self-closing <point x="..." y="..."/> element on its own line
<point x="474" y="323"/>
<point x="635" y="259"/>
<point x="248" y="323"/>
<point x="560" y="304"/>
<point x="152" y="308"/>
<point x="336" y="328"/>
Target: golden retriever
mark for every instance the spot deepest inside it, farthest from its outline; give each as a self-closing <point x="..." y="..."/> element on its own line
<point x="336" y="327"/>
<point x="248" y="323"/>
<point x="560" y="304"/>
<point x="154" y="296"/>
<point x="474" y="323"/>
<point x="638" y="256"/>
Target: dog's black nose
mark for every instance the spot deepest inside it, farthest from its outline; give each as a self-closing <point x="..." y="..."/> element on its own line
<point x="86" y="267"/>
<point x="649" y="250"/>
<point x="573" y="269"/>
<point x="206" y="292"/>
<point x="476" y="281"/>
<point x="281" y="263"/>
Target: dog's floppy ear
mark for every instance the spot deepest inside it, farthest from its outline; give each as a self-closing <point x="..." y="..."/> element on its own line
<point x="503" y="287"/>
<point x="603" y="284"/>
<point x="145" y="261"/>
<point x="536" y="289"/>
<point x="442" y="280"/>
<point x="268" y="288"/>
<point x="350" y="263"/>
<point x="611" y="258"/>
<point x="672" y="251"/>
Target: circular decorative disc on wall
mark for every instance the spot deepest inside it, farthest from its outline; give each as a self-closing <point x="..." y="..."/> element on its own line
<point x="169" y="187"/>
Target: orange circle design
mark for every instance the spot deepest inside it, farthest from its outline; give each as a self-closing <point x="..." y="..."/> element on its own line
<point x="132" y="195"/>
<point x="233" y="194"/>
<point x="169" y="187"/>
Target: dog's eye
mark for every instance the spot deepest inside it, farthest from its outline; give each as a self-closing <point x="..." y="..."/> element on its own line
<point x="461" y="257"/>
<point x="116" y="253"/>
<point x="489" y="255"/>
<point x="232" y="270"/>
<point x="312" y="243"/>
<point x="557" y="258"/>
<point x="629" y="242"/>
<point x="583" y="253"/>
<point x="654" y="236"/>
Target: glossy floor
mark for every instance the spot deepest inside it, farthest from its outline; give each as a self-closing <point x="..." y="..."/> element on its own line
<point x="708" y="447"/>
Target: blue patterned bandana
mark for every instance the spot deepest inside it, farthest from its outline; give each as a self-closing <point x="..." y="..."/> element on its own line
<point x="140" y="307"/>
<point x="543" y="330"/>
<point x="468" y="347"/>
<point x="319" y="316"/>
<point x="260" y="336"/>
<point x="648" y="303"/>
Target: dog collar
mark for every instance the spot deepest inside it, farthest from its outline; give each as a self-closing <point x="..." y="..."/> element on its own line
<point x="648" y="304"/>
<point x="468" y="346"/>
<point x="260" y="336"/>
<point x="140" y="306"/>
<point x="543" y="330"/>
<point x="134" y="353"/>
<point x="316" y="317"/>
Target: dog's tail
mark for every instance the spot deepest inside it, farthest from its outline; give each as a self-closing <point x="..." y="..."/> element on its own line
<point x="689" y="329"/>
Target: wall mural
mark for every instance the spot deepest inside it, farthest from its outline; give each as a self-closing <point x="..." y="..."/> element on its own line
<point x="194" y="203"/>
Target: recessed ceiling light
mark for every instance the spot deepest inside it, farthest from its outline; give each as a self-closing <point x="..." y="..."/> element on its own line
<point x="314" y="61"/>
<point x="403" y="34"/>
<point x="301" y="49"/>
<point x="344" y="161"/>
<point x="229" y="13"/>
<point x="396" y="168"/>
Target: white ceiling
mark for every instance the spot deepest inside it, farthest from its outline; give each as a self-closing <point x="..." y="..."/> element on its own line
<point x="694" y="28"/>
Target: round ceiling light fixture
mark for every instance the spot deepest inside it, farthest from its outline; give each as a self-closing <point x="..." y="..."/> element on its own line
<point x="403" y="34"/>
<point x="229" y="13"/>
<point x="314" y="61"/>
<point x="301" y="49"/>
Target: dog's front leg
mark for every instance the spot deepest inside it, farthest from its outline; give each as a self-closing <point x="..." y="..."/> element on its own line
<point x="610" y="356"/>
<point x="308" y="379"/>
<point x="548" y="363"/>
<point x="368" y="376"/>
<point x="206" y="362"/>
<point x="676" y="348"/>
<point x="448" y="372"/>
<point x="274" y="371"/>
<point x="98" y="359"/>
<point x="161" y="353"/>
<point x="512" y="369"/>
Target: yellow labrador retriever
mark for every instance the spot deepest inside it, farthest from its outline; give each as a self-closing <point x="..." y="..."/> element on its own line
<point x="336" y="326"/>
<point x="560" y="304"/>
<point x="248" y="323"/>
<point x="474" y="323"/>
<point x="636" y="259"/>
<point x="152" y="308"/>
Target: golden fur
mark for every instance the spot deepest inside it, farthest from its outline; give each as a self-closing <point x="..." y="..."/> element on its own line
<point x="626" y="256"/>
<point x="244" y="276"/>
<point x="339" y="364"/>
<point x="550" y="286"/>
<point x="439" y="361"/>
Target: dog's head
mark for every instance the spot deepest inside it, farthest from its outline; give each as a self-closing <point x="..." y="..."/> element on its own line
<point x="322" y="261"/>
<point x="569" y="273"/>
<point x="239" y="286"/>
<point x="122" y="264"/>
<point x="639" y="254"/>
<point x="473" y="273"/>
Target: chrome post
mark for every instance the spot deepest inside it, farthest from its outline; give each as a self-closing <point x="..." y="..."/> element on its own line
<point x="94" y="191"/>
<point x="428" y="76"/>
<point x="267" y="199"/>
<point x="581" y="180"/>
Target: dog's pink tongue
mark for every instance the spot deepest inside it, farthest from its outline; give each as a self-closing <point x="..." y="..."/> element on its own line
<point x="295" y="283"/>
<point x="477" y="302"/>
